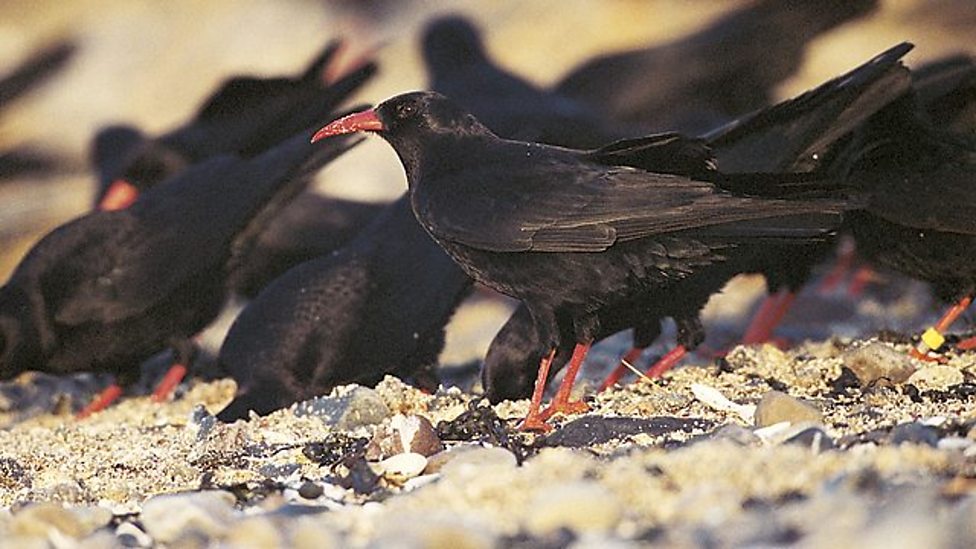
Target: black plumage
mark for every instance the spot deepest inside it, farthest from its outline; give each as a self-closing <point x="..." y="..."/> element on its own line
<point x="245" y="116"/>
<point x="458" y="66"/>
<point x="919" y="178"/>
<point x="794" y="136"/>
<point x="575" y="234"/>
<point x="729" y="68"/>
<point x="377" y="306"/>
<point x="109" y="289"/>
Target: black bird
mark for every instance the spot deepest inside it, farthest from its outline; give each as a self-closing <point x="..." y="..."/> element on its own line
<point x="574" y="234"/>
<point x="459" y="67"/>
<point x="721" y="72"/>
<point x="794" y="136"/>
<point x="919" y="175"/>
<point x="376" y="306"/>
<point x="245" y="116"/>
<point x="109" y="289"/>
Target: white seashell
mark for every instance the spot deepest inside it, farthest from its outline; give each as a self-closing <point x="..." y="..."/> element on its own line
<point x="714" y="399"/>
<point x="403" y="466"/>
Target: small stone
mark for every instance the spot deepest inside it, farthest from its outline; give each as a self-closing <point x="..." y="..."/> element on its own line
<point x="936" y="378"/>
<point x="776" y="407"/>
<point x="876" y="361"/>
<point x="169" y="517"/>
<point x="40" y="519"/>
<point x="914" y="432"/>
<point x="310" y="490"/>
<point x="581" y="506"/>
<point x="404" y="466"/>
<point x="736" y="434"/>
<point x="201" y="422"/>
<point x="434" y="529"/>
<point x="313" y="533"/>
<point x="129" y="535"/>
<point x="813" y="438"/>
<point x="346" y="408"/>
<point x="256" y="531"/>
<point x="404" y="434"/>
<point x="13" y="476"/>
<point x="473" y="461"/>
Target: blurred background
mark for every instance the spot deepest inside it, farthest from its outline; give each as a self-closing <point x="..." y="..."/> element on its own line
<point x="152" y="63"/>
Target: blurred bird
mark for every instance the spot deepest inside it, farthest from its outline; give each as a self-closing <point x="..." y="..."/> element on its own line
<point x="374" y="307"/>
<point x="26" y="76"/>
<point x="721" y="72"/>
<point x="245" y="116"/>
<point x="109" y="289"/>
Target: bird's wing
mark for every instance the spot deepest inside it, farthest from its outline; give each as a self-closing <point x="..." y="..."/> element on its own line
<point x="180" y="230"/>
<point x="559" y="206"/>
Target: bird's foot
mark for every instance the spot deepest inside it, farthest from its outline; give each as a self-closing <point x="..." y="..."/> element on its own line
<point x="534" y="422"/>
<point x="103" y="400"/>
<point x="567" y="407"/>
<point x="967" y="344"/>
<point x="926" y="357"/>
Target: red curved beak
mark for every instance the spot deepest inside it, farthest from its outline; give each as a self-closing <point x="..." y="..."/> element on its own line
<point x="364" y="121"/>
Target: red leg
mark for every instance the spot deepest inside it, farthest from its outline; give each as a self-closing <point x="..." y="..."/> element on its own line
<point x="932" y="338"/>
<point x="108" y="395"/>
<point x="534" y="420"/>
<point x="169" y="382"/>
<point x="561" y="403"/>
<point x="862" y="277"/>
<point x="770" y="314"/>
<point x="845" y="259"/>
<point x="618" y="372"/>
<point x="967" y="344"/>
<point x="666" y="362"/>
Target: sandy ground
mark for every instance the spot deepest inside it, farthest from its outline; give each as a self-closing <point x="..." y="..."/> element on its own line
<point x="867" y="447"/>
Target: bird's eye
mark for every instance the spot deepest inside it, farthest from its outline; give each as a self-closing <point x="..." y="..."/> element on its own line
<point x="405" y="111"/>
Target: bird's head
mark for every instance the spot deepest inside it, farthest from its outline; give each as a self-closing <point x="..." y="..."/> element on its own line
<point x="451" y="43"/>
<point x="412" y="123"/>
<point x="404" y="115"/>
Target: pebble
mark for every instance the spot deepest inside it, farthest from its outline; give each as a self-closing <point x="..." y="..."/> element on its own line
<point x="401" y="467"/>
<point x="42" y="519"/>
<point x="346" y="408"/>
<point x="472" y="461"/>
<point x="401" y="434"/>
<point x="914" y="432"/>
<point x="814" y="438"/>
<point x="313" y="533"/>
<point x="129" y="535"/>
<point x="256" y="531"/>
<point x="936" y="378"/>
<point x="736" y="434"/>
<point x="434" y="529"/>
<point x="580" y="506"/>
<point x="169" y="517"/>
<point x="776" y="407"/>
<point x="201" y="422"/>
<point x="310" y="490"/>
<point x="876" y="361"/>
